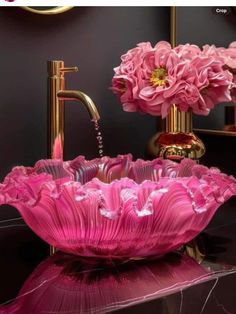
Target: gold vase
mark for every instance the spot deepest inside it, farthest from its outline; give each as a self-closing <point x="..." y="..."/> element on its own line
<point x="178" y="141"/>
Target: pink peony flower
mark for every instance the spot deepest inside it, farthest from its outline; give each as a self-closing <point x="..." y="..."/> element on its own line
<point x="229" y="55"/>
<point x="187" y="51"/>
<point x="231" y="63"/>
<point x="151" y="80"/>
<point x="159" y="79"/>
<point x="126" y="80"/>
<point x="228" y="59"/>
<point x="212" y="82"/>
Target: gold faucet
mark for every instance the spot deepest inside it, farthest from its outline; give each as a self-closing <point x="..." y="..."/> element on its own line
<point x="57" y="94"/>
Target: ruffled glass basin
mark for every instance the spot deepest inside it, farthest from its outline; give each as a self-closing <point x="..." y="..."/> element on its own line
<point x="114" y="207"/>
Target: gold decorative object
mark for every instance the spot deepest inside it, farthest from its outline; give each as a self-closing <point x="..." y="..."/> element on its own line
<point x="49" y="10"/>
<point x="173" y="26"/>
<point x="178" y="141"/>
<point x="192" y="249"/>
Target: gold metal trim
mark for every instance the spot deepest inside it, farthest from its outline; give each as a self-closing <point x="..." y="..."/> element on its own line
<point x="173" y="26"/>
<point x="55" y="10"/>
<point x="192" y="249"/>
<point x="52" y="250"/>
<point x="178" y="121"/>
<point x="215" y="132"/>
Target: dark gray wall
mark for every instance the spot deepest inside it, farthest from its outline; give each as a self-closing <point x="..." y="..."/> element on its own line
<point x="92" y="38"/>
<point x="200" y="26"/>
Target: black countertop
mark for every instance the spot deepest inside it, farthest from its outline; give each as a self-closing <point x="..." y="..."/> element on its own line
<point x="32" y="282"/>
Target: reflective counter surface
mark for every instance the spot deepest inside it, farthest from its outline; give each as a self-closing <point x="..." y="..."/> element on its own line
<point x="31" y="282"/>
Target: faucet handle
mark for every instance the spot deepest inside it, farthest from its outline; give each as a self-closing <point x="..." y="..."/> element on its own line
<point x="57" y="68"/>
<point x="69" y="69"/>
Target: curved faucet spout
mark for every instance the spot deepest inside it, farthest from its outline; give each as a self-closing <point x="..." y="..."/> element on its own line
<point x="80" y="96"/>
<point x="57" y="95"/>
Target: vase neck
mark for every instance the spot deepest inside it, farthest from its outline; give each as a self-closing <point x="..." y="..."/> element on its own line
<point x="179" y="121"/>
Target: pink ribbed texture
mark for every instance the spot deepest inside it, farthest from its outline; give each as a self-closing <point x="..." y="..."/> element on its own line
<point x="116" y="207"/>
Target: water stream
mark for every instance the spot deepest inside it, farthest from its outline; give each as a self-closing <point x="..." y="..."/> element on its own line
<point x="99" y="138"/>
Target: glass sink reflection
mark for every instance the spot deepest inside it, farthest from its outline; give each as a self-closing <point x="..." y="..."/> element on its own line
<point x="68" y="284"/>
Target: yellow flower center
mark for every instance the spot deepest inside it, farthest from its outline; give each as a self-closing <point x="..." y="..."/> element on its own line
<point x="158" y="77"/>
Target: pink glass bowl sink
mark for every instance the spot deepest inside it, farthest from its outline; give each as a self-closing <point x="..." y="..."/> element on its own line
<point x="116" y="207"/>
